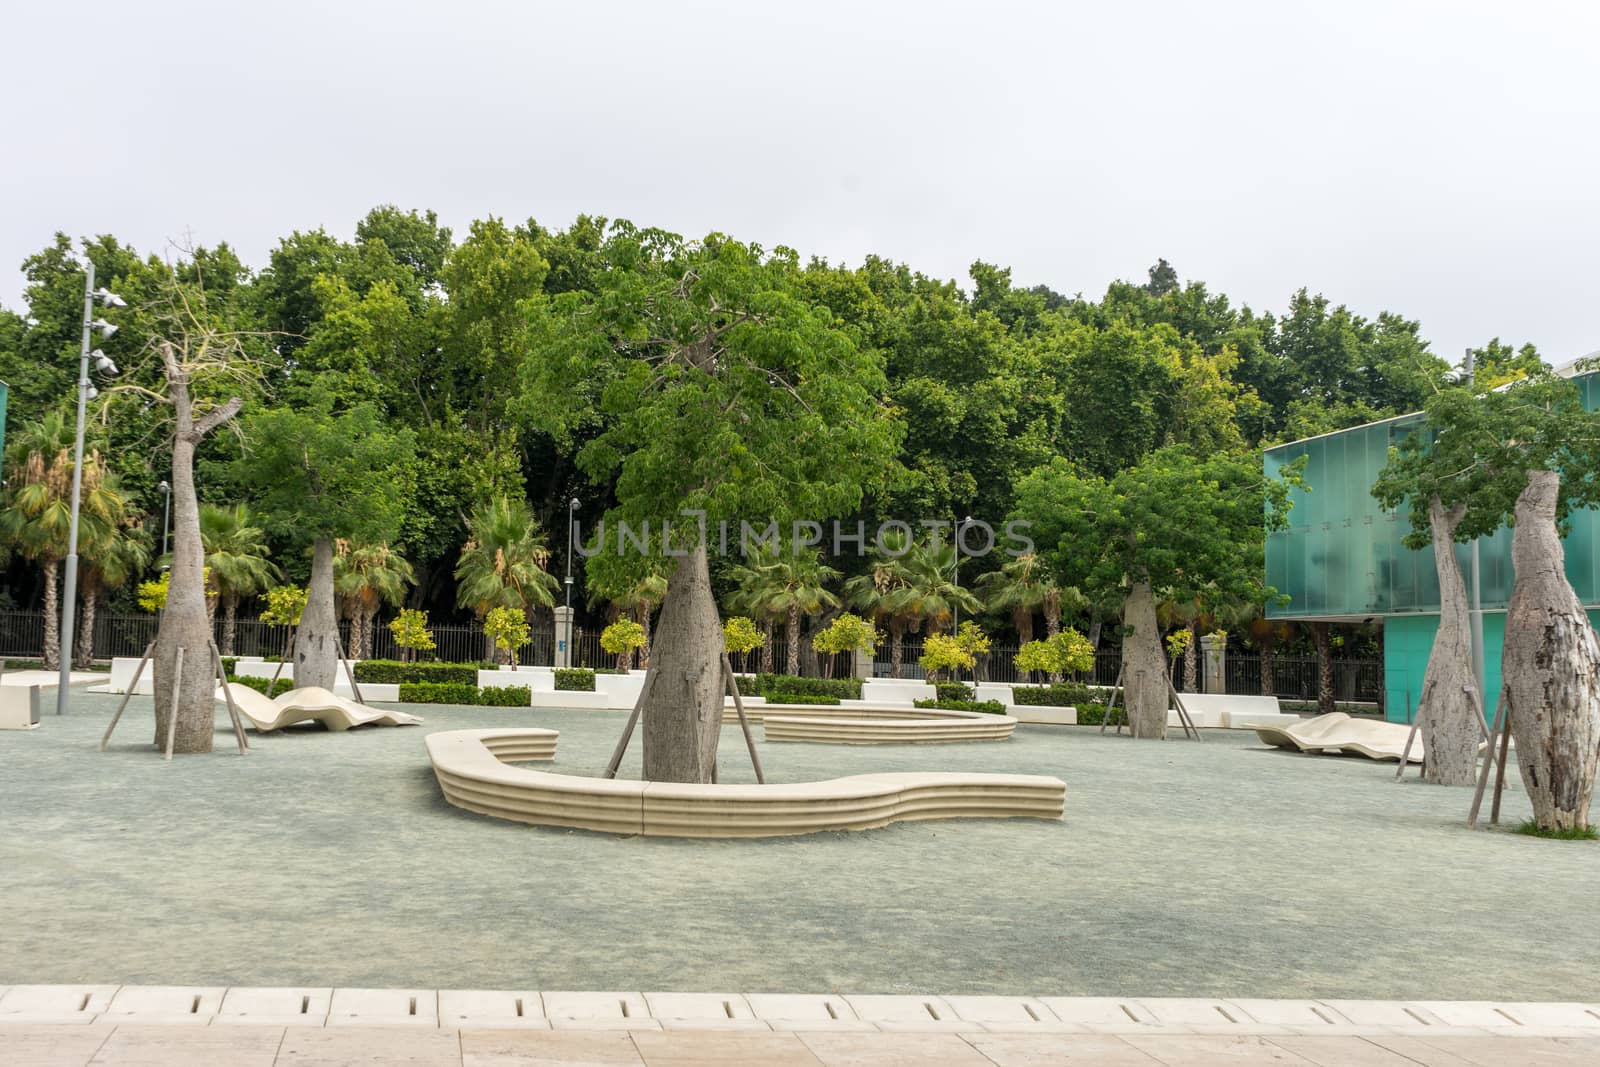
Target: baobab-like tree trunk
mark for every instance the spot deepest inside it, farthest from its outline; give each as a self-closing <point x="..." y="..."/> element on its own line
<point x="230" y="621"/>
<point x="316" y="652"/>
<point x="1321" y="637"/>
<point x="185" y="623"/>
<point x="83" y="655"/>
<point x="682" y="708"/>
<point x="792" y="636"/>
<point x="1144" y="665"/>
<point x="51" y="652"/>
<point x="1551" y="667"/>
<point x="1445" y="714"/>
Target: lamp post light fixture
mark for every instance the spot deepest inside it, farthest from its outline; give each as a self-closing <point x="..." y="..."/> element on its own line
<point x="86" y="392"/>
<point x="166" y="516"/>
<point x="572" y="511"/>
<point x="955" y="609"/>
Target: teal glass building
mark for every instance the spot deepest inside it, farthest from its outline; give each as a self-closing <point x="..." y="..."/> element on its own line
<point x="1342" y="560"/>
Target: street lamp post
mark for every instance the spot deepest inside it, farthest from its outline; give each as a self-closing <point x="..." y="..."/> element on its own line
<point x="955" y="608"/>
<point x="85" y="391"/>
<point x="166" y="515"/>
<point x="572" y="510"/>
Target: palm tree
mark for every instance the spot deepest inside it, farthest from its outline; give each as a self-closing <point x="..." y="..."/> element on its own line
<point x="871" y="593"/>
<point x="236" y="562"/>
<point x="502" y="564"/>
<point x="748" y="599"/>
<point x="112" y="554"/>
<point x="366" y="577"/>
<point x="1023" y="587"/>
<point x="930" y="596"/>
<point x="789" y="586"/>
<point x="632" y="585"/>
<point x="37" y="518"/>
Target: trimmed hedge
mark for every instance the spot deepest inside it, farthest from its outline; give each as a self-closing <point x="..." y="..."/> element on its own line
<point x="1060" y="695"/>
<point x="490" y="696"/>
<point x="1095" y="714"/>
<point x="843" y="688"/>
<point x="575" y="680"/>
<point x="392" y="671"/>
<point x="748" y="686"/>
<point x="228" y="663"/>
<point x="800" y="698"/>
<point x="953" y="690"/>
<point x="438" y="693"/>
<point x="988" y="707"/>
<point x="264" y="685"/>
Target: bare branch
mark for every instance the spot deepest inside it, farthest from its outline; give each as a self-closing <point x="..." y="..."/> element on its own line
<point x="216" y="417"/>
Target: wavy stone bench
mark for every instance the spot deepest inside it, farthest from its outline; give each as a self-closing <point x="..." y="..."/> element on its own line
<point x="838" y="724"/>
<point x="473" y="774"/>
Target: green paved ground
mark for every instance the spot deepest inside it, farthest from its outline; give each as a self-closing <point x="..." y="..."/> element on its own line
<point x="1220" y="868"/>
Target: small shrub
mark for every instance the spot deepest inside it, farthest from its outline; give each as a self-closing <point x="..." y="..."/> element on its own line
<point x="1061" y="695"/>
<point x="575" y="680"/>
<point x="1570" y="833"/>
<point x="843" y="688"/>
<point x="609" y="670"/>
<point x="505" y="696"/>
<point x="438" y="693"/>
<point x="1095" y="715"/>
<point x="265" y="685"/>
<point x="621" y="638"/>
<point x="800" y="698"/>
<point x="988" y="707"/>
<point x="228" y="663"/>
<point x="748" y="686"/>
<point x="393" y="672"/>
<point x="953" y="690"/>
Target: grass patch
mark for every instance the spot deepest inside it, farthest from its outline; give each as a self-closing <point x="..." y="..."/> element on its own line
<point x="1570" y="833"/>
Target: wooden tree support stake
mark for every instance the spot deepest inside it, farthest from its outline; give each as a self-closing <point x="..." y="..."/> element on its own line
<point x="744" y="723"/>
<point x="177" y="687"/>
<point x="1189" y="728"/>
<point x="133" y="686"/>
<point x="1501" y="730"/>
<point x="627" y="731"/>
<point x="227" y="696"/>
<point x="1116" y="691"/>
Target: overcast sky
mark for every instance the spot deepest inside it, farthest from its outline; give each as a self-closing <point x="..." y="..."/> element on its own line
<point x="1441" y="160"/>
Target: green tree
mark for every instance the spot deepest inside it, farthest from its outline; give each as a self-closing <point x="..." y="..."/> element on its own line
<point x="502" y="565"/>
<point x="740" y="637"/>
<point x="324" y="471"/>
<point x="236" y="560"/>
<point x="508" y="629"/>
<point x="930" y="596"/>
<point x="285" y="606"/>
<point x="846" y="633"/>
<point x="792" y="586"/>
<point x="1527" y="455"/>
<point x="622" y="638"/>
<point x="941" y="653"/>
<point x="366" y="577"/>
<point x="722" y="390"/>
<point x="411" y="633"/>
<point x="1192" y="526"/>
<point x="874" y="593"/>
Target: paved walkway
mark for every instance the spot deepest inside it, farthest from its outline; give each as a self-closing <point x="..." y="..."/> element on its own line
<point x="172" y="1026"/>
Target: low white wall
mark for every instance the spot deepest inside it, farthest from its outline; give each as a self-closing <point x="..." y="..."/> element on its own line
<point x="896" y="691"/>
<point x="122" y="669"/>
<point x="1214" y="710"/>
<point x="993" y="691"/>
<point x="622" y="690"/>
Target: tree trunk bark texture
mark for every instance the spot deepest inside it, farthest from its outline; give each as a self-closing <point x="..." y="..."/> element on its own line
<point x="1144" y="665"/>
<point x="792" y="636"/>
<point x="1446" y="713"/>
<point x="230" y="619"/>
<point x="83" y="655"/>
<point x="767" y="653"/>
<point x="51" y="653"/>
<point x="316" y="653"/>
<point x="897" y="646"/>
<point x="1551" y="667"/>
<point x="185" y="623"/>
<point x="1321" y="637"/>
<point x="682" y="709"/>
<point x="1191" y="661"/>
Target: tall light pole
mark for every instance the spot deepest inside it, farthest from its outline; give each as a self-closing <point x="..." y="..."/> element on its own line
<point x="85" y="391"/>
<point x="572" y="511"/>
<point x="166" y="515"/>
<point x="955" y="608"/>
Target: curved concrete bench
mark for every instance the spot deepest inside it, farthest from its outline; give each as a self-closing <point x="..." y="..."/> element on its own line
<point x="473" y="775"/>
<point x="838" y="724"/>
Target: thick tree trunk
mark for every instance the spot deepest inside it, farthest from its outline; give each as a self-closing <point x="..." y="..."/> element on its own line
<point x="230" y="620"/>
<point x="83" y="655"/>
<point x="792" y="636"/>
<point x="1191" y="660"/>
<point x="1551" y="666"/>
<point x="897" y="646"/>
<point x="185" y="623"/>
<point x="1447" y="716"/>
<point x="51" y="652"/>
<point x="316" y="653"/>
<point x="1144" y="664"/>
<point x="682" y="711"/>
<point x="1321" y="637"/>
